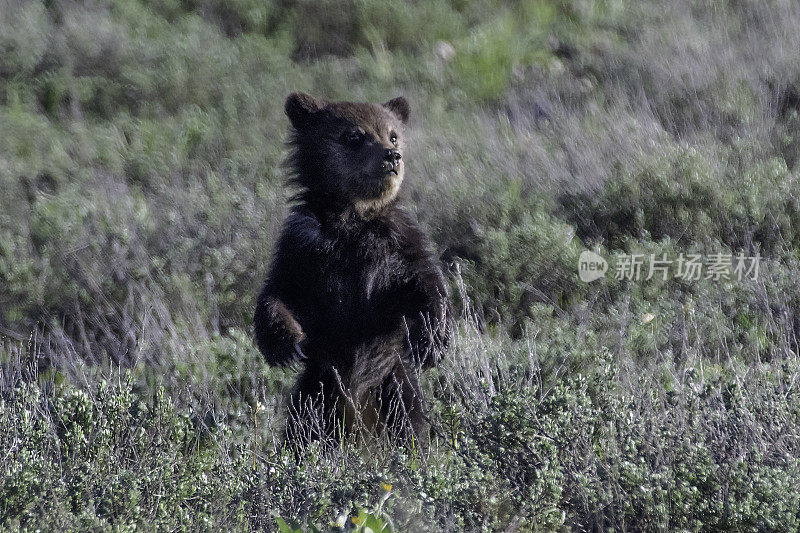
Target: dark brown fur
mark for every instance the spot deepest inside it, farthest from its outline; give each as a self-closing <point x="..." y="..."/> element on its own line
<point x="353" y="289"/>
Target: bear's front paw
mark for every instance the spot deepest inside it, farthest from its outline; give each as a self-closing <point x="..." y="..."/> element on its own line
<point x="428" y="339"/>
<point x="281" y="350"/>
<point x="278" y="333"/>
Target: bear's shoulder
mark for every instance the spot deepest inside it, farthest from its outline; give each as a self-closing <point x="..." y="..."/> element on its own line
<point x="406" y="229"/>
<point x="302" y="228"/>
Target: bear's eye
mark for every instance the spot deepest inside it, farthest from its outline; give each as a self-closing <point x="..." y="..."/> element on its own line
<point x="393" y="138"/>
<point x="353" y="138"/>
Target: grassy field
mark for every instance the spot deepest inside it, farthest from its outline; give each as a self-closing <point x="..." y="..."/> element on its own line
<point x="141" y="192"/>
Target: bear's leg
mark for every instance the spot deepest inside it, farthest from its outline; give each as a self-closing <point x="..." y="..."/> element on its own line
<point x="401" y="407"/>
<point x="313" y="408"/>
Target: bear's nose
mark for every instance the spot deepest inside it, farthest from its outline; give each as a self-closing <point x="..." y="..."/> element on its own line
<point x="393" y="156"/>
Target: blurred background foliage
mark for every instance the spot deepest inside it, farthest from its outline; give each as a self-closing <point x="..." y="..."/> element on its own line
<point x="140" y="168"/>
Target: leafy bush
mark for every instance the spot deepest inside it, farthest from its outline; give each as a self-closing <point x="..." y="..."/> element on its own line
<point x="511" y="252"/>
<point x="650" y="444"/>
<point x="691" y="198"/>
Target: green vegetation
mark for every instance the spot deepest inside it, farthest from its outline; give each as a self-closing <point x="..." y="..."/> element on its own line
<point x="142" y="189"/>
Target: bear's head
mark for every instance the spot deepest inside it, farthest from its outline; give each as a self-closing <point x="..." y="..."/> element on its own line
<point x="346" y="153"/>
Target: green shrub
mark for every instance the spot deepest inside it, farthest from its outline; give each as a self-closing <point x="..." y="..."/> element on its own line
<point x="512" y="253"/>
<point x="692" y="198"/>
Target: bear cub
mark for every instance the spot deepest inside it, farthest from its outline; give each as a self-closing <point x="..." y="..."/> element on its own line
<point x="353" y="291"/>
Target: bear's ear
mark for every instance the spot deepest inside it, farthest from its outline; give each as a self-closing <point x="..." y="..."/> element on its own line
<point x="398" y="106"/>
<point x="300" y="108"/>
